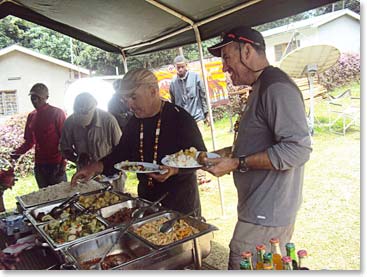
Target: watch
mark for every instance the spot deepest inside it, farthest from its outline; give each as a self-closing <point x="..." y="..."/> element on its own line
<point x="242" y="166"/>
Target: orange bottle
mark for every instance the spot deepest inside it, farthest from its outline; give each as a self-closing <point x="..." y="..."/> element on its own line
<point x="260" y="251"/>
<point x="277" y="256"/>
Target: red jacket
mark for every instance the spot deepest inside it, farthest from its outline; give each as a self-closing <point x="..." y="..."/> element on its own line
<point x="43" y="129"/>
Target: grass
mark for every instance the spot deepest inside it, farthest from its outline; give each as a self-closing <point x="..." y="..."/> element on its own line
<point x="328" y="222"/>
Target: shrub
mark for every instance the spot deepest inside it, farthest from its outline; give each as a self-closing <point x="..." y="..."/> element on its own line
<point x="346" y="70"/>
<point x="11" y="137"/>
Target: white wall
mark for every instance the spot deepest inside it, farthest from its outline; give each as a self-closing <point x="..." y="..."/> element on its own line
<point x="343" y="33"/>
<point x="32" y="70"/>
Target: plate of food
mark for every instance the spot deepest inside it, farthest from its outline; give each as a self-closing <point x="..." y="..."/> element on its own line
<point x="137" y="167"/>
<point x="188" y="158"/>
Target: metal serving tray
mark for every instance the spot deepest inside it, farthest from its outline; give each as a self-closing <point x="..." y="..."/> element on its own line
<point x="123" y="197"/>
<point x="33" y="212"/>
<point x="24" y="204"/>
<point x="94" y="248"/>
<point x="203" y="228"/>
<point x="174" y="256"/>
<point x="130" y="204"/>
<point x="57" y="246"/>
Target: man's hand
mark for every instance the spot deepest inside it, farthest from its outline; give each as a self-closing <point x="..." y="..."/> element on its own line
<point x="224" y="152"/>
<point x="170" y="171"/>
<point x="221" y="166"/>
<point x="87" y="172"/>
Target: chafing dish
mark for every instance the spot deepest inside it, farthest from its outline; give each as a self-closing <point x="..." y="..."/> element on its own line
<point x="56" y="192"/>
<point x="41" y="228"/>
<point x="144" y="255"/>
<point x="202" y="228"/>
<point x="113" y="195"/>
<point x="127" y="207"/>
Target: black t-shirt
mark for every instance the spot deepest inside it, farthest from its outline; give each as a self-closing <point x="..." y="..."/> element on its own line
<point x="178" y="131"/>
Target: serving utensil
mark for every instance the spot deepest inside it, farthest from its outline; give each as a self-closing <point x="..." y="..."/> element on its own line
<point x="139" y="213"/>
<point x="58" y="210"/>
<point x="98" y="266"/>
<point x="167" y="226"/>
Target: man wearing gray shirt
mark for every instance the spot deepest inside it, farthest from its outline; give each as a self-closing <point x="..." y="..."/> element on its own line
<point x="272" y="146"/>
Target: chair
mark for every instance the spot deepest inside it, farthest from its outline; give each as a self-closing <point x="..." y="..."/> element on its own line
<point x="343" y="110"/>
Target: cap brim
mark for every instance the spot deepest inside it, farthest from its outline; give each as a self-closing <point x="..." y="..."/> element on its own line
<point x="215" y="50"/>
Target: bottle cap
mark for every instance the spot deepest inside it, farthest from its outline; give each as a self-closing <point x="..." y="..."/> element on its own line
<point x="268" y="256"/>
<point x="274" y="240"/>
<point x="286" y="259"/>
<point x="246" y="254"/>
<point x="290" y="245"/>
<point x="260" y="247"/>
<point x="302" y="253"/>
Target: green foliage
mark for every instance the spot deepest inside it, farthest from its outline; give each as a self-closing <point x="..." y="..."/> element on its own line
<point x="11" y="137"/>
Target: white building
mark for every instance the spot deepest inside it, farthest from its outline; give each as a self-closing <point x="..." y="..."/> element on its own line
<point x="21" y="68"/>
<point x="340" y="29"/>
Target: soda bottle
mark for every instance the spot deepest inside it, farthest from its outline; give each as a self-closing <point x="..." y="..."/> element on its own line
<point x="291" y="252"/>
<point x="302" y="260"/>
<point x="277" y="256"/>
<point x="247" y="256"/>
<point x="287" y="263"/>
<point x="268" y="259"/>
<point x="260" y="251"/>
<point x="245" y="265"/>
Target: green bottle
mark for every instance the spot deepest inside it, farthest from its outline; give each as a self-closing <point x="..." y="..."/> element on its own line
<point x="268" y="259"/>
<point x="291" y="252"/>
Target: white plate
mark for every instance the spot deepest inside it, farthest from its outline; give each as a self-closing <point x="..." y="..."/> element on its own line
<point x="138" y="167"/>
<point x="166" y="160"/>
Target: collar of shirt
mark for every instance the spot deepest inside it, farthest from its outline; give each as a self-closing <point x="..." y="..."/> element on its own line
<point x="184" y="77"/>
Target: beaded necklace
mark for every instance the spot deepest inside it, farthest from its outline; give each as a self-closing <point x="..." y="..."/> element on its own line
<point x="156" y="140"/>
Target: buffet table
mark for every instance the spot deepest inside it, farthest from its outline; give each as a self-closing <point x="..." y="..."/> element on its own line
<point x="183" y="248"/>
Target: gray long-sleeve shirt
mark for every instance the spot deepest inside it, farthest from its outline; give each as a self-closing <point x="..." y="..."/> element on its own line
<point x="189" y="93"/>
<point x="275" y="122"/>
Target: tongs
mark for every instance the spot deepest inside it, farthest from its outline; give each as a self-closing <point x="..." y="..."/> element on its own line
<point x="139" y="213"/>
<point x="167" y="226"/>
<point x="58" y="210"/>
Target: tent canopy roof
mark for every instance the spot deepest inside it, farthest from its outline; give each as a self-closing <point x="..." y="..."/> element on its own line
<point x="142" y="26"/>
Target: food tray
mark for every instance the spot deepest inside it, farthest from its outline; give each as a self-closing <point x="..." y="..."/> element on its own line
<point x="95" y="248"/>
<point x="56" y="192"/>
<point x="122" y="197"/>
<point x="33" y="212"/>
<point x="57" y="246"/>
<point x="130" y="204"/>
<point x="202" y="227"/>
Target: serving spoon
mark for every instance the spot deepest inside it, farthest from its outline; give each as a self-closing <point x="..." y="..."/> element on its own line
<point x="139" y="213"/>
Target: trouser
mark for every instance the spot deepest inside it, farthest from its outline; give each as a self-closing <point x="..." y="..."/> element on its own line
<point x="49" y="174"/>
<point x="247" y="235"/>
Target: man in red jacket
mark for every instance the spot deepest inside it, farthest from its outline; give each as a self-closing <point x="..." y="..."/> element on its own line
<point x="43" y="129"/>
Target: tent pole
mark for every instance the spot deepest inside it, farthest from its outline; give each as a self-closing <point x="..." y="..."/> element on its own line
<point x="124" y="60"/>
<point x="203" y="70"/>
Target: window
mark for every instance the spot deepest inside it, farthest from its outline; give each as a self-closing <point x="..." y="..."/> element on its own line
<point x="8" y="103"/>
<point x="281" y="48"/>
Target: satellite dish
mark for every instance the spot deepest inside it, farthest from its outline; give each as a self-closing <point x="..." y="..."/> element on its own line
<point x="318" y="58"/>
<point x="306" y="62"/>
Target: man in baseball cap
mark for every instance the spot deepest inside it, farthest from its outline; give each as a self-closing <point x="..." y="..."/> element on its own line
<point x="240" y="34"/>
<point x="43" y="130"/>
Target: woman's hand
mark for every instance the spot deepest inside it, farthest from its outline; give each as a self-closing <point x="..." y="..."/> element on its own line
<point x="165" y="173"/>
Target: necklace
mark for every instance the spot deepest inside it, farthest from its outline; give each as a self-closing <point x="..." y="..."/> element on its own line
<point x="156" y="140"/>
